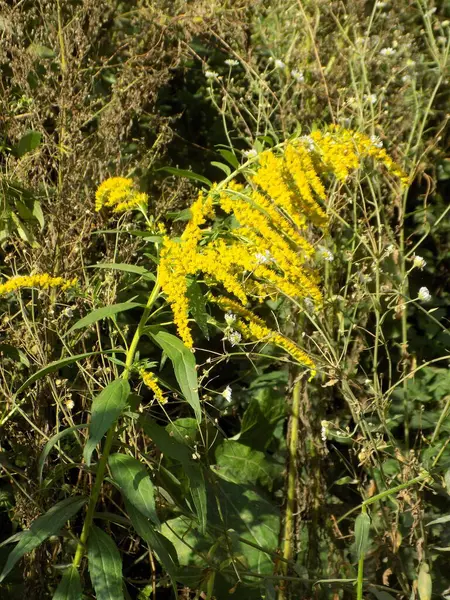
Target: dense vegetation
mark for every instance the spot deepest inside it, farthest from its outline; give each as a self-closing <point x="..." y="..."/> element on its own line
<point x="223" y="299"/>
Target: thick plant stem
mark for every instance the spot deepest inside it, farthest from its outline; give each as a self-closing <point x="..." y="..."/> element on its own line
<point x="101" y="468"/>
<point x="288" y="534"/>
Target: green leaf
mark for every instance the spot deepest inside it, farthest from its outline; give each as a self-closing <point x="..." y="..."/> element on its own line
<point x="125" y="268"/>
<point x="106" y="409"/>
<point x="14" y="353"/>
<point x="166" y="443"/>
<point x="38" y="213"/>
<point x="240" y="464"/>
<point x="42" y="528"/>
<point x="105" y="566"/>
<point x="28" y="142"/>
<point x="135" y="484"/>
<point x="254" y="519"/>
<point x="424" y="582"/>
<point x="184" y="366"/>
<point x="444" y="519"/>
<point x="230" y="157"/>
<point x="41" y="51"/>
<point x="102" y="313"/>
<point x="197" y="307"/>
<point x="184" y="430"/>
<point x="197" y="489"/>
<point x="225" y="168"/>
<point x="52" y="367"/>
<point x="267" y="407"/>
<point x="362" y="529"/>
<point x="163" y="548"/>
<point x="176" y="450"/>
<point x="69" y="587"/>
<point x="187" y="174"/>
<point x="51" y="442"/>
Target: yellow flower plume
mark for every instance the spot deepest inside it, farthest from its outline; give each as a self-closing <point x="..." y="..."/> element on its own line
<point x="43" y="282"/>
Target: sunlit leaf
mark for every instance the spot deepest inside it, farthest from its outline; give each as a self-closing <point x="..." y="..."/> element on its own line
<point x="102" y="313"/>
<point x="184" y="366"/>
<point x="135" y="484"/>
<point x="106" y="409"/>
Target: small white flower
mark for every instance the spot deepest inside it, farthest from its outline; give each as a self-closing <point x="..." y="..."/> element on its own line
<point x="326" y="254"/>
<point x="419" y="262"/>
<point x="250" y="153"/>
<point x="279" y="64"/>
<point x="227" y="393"/>
<point x="372" y="98"/>
<point x="230" y="318"/>
<point x="381" y="4"/>
<point x="424" y="294"/>
<point x="308" y="141"/>
<point x="68" y="312"/>
<point x="390" y="249"/>
<point x="231" y="62"/>
<point x="234" y="337"/>
<point x="389" y="51"/>
<point x="263" y="258"/>
<point x="69" y="404"/>
<point x="211" y="75"/>
<point x="298" y="75"/>
<point x="376" y="141"/>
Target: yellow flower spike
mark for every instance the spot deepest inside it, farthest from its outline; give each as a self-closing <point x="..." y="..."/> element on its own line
<point x="151" y="381"/>
<point x="261" y="333"/>
<point x="43" y="282"/>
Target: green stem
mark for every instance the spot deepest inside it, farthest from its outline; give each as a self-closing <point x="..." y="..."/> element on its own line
<point x="288" y="546"/>
<point x="101" y="468"/>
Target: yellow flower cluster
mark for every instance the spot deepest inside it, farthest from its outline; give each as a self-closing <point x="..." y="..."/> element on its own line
<point x="120" y="194"/>
<point x="253" y="327"/>
<point x="268" y="252"/>
<point x="43" y="282"/>
<point x="151" y="381"/>
<point x="342" y="150"/>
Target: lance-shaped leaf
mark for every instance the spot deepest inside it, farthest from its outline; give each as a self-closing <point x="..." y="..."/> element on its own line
<point x="106" y="409"/>
<point x="103" y="313"/>
<point x="135" y="484"/>
<point x="184" y="366"/>
<point x="176" y="450"/>
<point x="362" y="529"/>
<point x="41" y="529"/>
<point x="69" y="587"/>
<point x="163" y="548"/>
<point x="105" y="566"/>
